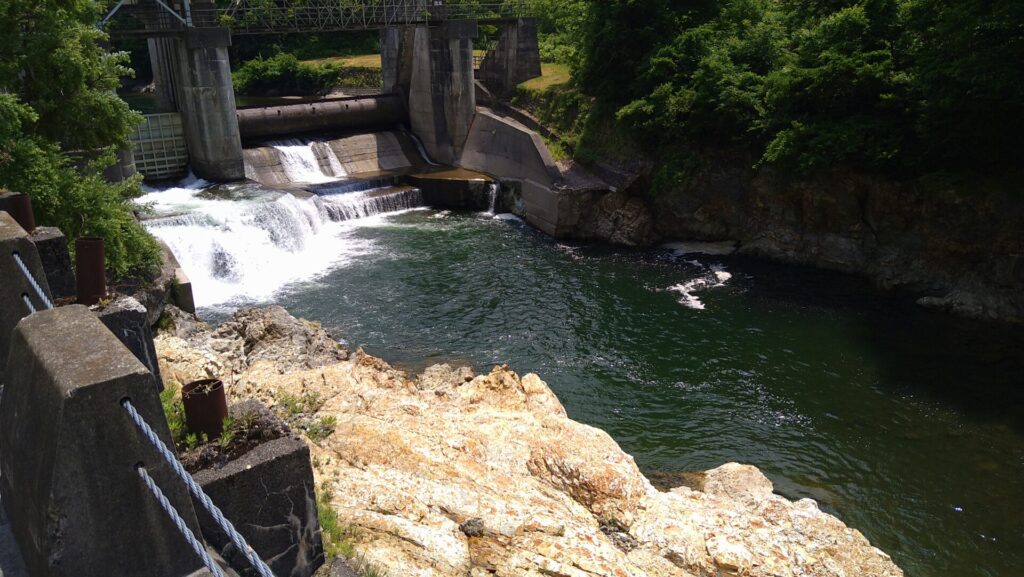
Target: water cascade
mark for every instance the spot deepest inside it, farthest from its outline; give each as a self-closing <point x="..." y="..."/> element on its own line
<point x="492" y="197"/>
<point x="298" y="159"/>
<point x="242" y="243"/>
<point x="362" y="204"/>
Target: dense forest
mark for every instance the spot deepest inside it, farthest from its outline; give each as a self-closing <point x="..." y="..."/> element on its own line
<point x="902" y="87"/>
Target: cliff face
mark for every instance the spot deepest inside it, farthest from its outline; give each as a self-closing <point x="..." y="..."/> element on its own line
<point x="956" y="251"/>
<point x="455" y="474"/>
<point x="962" y="252"/>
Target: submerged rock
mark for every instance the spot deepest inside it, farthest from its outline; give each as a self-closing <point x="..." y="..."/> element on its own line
<point x="456" y="474"/>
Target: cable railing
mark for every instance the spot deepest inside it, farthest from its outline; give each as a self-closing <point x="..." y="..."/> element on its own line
<point x="194" y="541"/>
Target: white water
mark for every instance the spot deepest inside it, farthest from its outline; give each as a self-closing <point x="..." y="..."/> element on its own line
<point x="492" y="197"/>
<point x="720" y="248"/>
<point x="241" y="243"/>
<point x="356" y="205"/>
<point x="298" y="160"/>
<point x="715" y="277"/>
<point x="336" y="167"/>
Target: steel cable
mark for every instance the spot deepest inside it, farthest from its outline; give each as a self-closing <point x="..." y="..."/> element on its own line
<point x="235" y="537"/>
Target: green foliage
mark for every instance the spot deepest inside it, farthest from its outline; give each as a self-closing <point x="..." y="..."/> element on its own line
<point x="284" y="74"/>
<point x="60" y="123"/>
<point x="322" y="428"/>
<point x="901" y="86"/>
<point x="294" y="405"/>
<point x="174" y="410"/>
<point x="559" y="27"/>
<point x="227" y="433"/>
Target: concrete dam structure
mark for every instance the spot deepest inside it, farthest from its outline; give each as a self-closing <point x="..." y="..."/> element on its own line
<point x="426" y="57"/>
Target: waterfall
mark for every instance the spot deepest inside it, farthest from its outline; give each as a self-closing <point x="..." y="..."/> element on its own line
<point x="422" y="150"/>
<point x="299" y="162"/>
<point x="492" y="197"/>
<point x="332" y="158"/>
<point x="243" y="243"/>
<point x="362" y="204"/>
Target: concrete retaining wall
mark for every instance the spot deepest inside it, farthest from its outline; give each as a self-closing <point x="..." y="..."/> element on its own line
<point x="504" y="148"/>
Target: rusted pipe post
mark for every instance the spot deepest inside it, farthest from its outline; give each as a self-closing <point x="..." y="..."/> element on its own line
<point x="20" y="207"/>
<point x="206" y="407"/>
<point x="90" y="270"/>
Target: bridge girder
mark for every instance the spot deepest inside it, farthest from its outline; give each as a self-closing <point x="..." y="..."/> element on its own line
<point x="154" y="18"/>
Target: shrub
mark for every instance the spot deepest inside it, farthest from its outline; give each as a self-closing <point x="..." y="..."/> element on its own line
<point x="284" y="74"/>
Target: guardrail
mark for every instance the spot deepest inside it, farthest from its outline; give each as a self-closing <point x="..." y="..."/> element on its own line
<point x="63" y="374"/>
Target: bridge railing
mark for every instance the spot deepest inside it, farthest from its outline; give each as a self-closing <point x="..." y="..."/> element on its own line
<point x="255" y="17"/>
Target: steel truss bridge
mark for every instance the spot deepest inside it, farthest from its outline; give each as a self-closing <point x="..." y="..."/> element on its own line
<point x="154" y="18"/>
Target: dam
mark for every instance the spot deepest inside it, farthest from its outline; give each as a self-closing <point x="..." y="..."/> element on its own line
<point x="380" y="216"/>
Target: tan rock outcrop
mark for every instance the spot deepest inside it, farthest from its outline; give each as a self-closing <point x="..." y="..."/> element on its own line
<point x="456" y="474"/>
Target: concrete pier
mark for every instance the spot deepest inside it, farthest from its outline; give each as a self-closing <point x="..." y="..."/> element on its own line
<point x="515" y="60"/>
<point x="207" y="101"/>
<point x="192" y="75"/>
<point x="442" y="99"/>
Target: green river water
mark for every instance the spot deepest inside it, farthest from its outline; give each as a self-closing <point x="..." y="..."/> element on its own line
<point x="907" y="424"/>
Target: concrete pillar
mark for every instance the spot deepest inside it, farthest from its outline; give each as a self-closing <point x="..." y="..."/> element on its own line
<point x="516" y="58"/>
<point x="53" y="252"/>
<point x="206" y="100"/>
<point x="442" y="99"/>
<point x="390" y="40"/>
<point x="68" y="455"/>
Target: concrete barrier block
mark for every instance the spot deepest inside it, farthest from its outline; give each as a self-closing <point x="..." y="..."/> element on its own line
<point x="14" y="240"/>
<point x="68" y="455"/>
<point x="126" y="318"/>
<point x="269" y="495"/>
<point x="52" y="246"/>
<point x="181" y="291"/>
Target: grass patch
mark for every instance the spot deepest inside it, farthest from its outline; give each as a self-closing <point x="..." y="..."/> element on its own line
<point x="293" y="405"/>
<point x="358" y="61"/>
<point x="552" y="74"/>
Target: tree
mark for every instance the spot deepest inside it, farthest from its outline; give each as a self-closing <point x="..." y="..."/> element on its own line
<point x="57" y="104"/>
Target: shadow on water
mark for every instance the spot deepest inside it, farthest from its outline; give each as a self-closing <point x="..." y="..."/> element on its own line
<point x="921" y="353"/>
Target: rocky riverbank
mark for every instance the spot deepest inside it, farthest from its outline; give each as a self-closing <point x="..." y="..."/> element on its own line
<point x="449" y="473"/>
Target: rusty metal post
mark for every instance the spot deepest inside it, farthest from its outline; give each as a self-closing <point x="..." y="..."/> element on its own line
<point x="20" y="207"/>
<point x="90" y="270"/>
<point x="206" y="407"/>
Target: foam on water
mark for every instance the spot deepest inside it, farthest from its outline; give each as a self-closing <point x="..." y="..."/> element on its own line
<point x="712" y="248"/>
<point x="715" y="277"/>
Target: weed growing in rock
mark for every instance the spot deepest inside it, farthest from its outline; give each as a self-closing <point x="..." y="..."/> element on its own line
<point x="322" y="428"/>
<point x="338" y="538"/>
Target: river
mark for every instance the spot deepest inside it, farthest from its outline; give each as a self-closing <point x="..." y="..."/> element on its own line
<point x="907" y="424"/>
